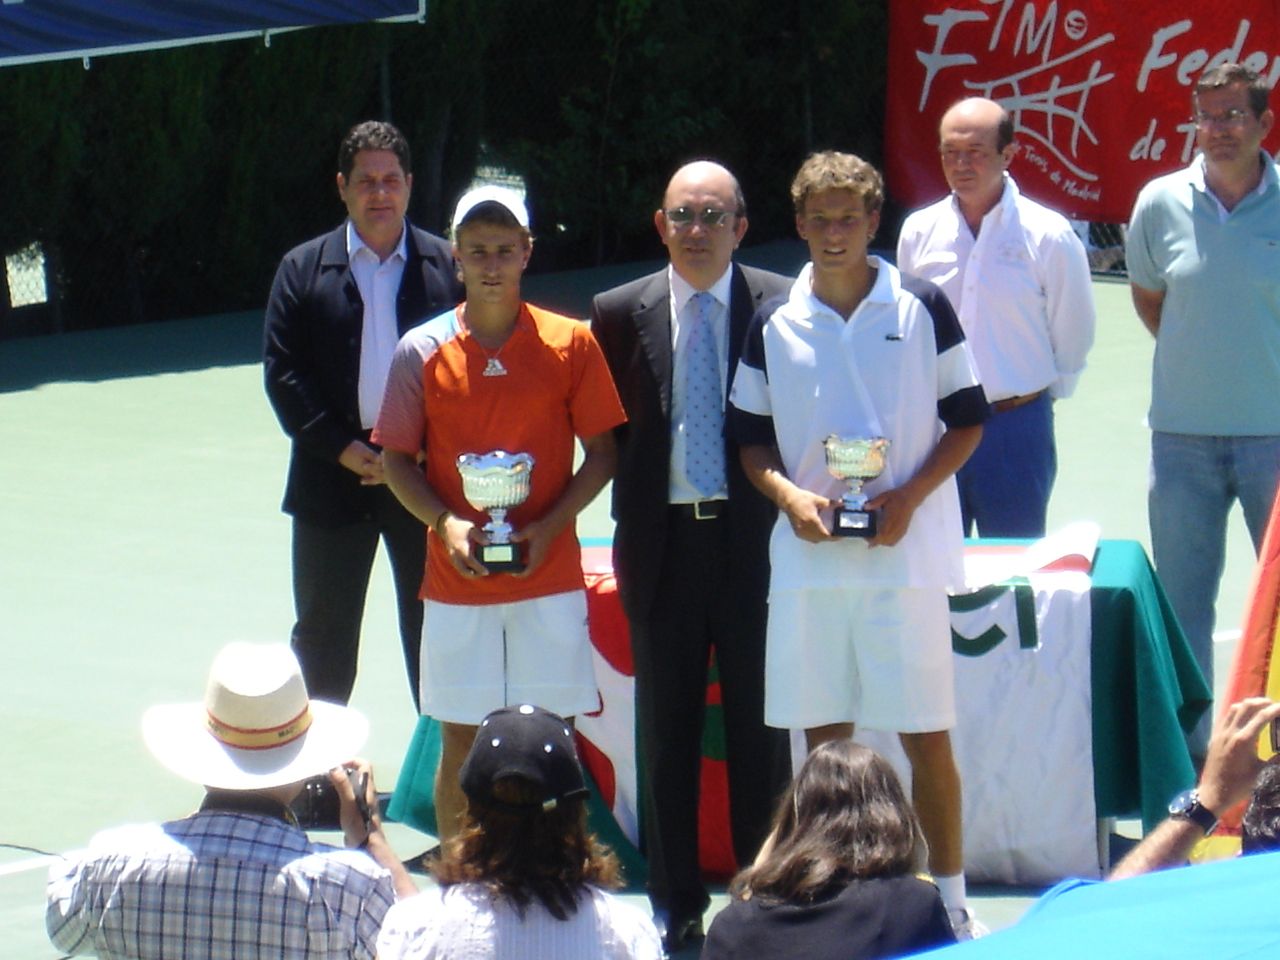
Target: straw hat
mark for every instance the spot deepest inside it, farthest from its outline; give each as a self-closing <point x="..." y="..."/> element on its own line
<point x="256" y="727"/>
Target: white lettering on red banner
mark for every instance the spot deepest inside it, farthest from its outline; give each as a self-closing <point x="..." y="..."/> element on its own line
<point x="1100" y="93"/>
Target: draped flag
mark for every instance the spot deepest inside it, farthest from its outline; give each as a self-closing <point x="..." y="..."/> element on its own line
<point x="1254" y="670"/>
<point x="606" y="740"/>
<point x="1023" y="739"/>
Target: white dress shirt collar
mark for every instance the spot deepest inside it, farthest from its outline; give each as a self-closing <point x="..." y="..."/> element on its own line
<point x="355" y="243"/>
<point x="682" y="290"/>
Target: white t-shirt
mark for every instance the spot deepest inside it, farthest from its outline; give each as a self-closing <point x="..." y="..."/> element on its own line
<point x="463" y="922"/>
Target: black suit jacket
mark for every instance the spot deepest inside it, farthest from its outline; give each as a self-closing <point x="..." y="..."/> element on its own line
<point x="633" y="326"/>
<point x="311" y="360"/>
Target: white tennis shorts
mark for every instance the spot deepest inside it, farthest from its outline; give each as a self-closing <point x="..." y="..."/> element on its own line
<point x="476" y="658"/>
<point x="877" y="658"/>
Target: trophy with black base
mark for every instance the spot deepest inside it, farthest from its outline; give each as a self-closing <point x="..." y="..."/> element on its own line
<point x="495" y="482"/>
<point x="855" y="460"/>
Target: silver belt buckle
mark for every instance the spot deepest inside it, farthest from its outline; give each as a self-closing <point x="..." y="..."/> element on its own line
<point x="712" y="510"/>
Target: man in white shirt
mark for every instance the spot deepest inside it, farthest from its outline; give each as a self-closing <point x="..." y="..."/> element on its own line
<point x="338" y="306"/>
<point x="1018" y="277"/>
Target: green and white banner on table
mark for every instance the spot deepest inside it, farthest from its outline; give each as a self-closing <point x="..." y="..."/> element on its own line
<point x="1023" y="740"/>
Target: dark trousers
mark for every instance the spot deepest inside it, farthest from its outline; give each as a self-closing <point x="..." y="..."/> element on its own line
<point x="698" y="609"/>
<point x="331" y="567"/>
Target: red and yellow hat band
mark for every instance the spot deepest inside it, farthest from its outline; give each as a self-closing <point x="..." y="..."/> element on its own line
<point x="261" y="738"/>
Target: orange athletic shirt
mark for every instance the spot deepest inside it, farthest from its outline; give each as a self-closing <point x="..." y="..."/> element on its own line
<point x="557" y="387"/>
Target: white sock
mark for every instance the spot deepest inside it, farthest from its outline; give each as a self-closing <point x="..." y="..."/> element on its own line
<point x="953" y="892"/>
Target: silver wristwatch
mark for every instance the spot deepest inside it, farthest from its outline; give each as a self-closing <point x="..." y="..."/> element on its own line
<point x="1187" y="806"/>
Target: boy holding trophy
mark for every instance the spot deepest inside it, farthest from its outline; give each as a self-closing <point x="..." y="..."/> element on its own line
<point x="862" y="376"/>
<point x="482" y="406"/>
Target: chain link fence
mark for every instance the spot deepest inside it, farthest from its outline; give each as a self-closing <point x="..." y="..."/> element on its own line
<point x="1105" y="245"/>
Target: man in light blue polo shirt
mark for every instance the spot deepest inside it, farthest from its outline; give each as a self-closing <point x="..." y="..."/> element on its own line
<point x="1203" y="253"/>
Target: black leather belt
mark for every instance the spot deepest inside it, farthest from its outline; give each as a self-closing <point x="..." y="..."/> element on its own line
<point x="700" y="510"/>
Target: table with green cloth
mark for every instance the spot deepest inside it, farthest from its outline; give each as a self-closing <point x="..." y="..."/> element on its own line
<point x="1146" y="689"/>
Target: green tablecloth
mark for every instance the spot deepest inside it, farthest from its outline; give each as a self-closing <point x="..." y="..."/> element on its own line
<point x="1147" y="688"/>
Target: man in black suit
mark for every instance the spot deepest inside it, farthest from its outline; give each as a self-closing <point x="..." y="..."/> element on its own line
<point x="691" y="548"/>
<point x="339" y="304"/>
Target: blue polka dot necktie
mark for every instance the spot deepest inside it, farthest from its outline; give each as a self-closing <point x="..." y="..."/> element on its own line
<point x="703" y="407"/>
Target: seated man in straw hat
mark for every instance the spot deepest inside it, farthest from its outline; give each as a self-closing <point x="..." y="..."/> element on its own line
<point x="238" y="878"/>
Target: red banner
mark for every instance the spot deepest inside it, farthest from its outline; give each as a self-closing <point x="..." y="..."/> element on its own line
<point x="1100" y="92"/>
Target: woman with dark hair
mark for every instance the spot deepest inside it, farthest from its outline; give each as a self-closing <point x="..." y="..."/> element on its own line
<point x="523" y="878"/>
<point x="836" y="876"/>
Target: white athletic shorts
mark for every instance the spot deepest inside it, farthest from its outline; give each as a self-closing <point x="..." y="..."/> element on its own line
<point x="877" y="658"/>
<point x="476" y="658"/>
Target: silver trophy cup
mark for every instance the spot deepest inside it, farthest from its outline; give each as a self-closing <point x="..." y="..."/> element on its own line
<point x="855" y="461"/>
<point x="495" y="482"/>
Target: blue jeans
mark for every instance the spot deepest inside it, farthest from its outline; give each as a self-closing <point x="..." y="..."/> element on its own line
<point x="1194" y="481"/>
<point x="1005" y="485"/>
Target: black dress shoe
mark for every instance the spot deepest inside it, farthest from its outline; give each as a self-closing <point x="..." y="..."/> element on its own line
<point x="677" y="930"/>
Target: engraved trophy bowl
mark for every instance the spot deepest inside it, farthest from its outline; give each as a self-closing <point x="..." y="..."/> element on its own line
<point x="495" y="482"/>
<point x="855" y="460"/>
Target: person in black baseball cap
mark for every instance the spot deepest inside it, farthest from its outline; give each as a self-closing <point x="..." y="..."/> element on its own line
<point x="529" y="744"/>
<point x="523" y="877"/>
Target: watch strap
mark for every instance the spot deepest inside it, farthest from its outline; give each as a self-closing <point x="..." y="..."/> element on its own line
<point x="1187" y="806"/>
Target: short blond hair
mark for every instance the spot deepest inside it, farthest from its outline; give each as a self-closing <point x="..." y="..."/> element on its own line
<point x="830" y="170"/>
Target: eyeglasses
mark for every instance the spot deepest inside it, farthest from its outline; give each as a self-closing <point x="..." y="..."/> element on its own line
<point x="710" y="217"/>
<point x="1234" y="117"/>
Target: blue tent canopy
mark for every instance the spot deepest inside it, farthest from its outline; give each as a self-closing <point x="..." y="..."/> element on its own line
<point x="1226" y="910"/>
<point x="34" y="30"/>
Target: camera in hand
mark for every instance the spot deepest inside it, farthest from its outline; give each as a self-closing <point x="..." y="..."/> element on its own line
<point x="316" y="807"/>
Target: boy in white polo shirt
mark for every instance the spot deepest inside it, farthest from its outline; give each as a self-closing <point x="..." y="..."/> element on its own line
<point x="859" y="630"/>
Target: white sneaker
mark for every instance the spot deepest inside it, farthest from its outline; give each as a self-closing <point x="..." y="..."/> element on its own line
<point x="965" y="925"/>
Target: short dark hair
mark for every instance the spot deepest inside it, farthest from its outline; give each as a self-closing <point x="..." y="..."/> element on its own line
<point x="830" y="170"/>
<point x="525" y="853"/>
<point x="844" y="817"/>
<point x="1230" y="74"/>
<point x="1260" y="828"/>
<point x="372" y="135"/>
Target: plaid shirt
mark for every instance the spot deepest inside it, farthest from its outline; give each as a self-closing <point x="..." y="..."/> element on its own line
<point x="216" y="886"/>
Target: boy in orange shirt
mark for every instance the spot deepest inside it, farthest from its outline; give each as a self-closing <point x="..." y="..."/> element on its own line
<point x="496" y="373"/>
